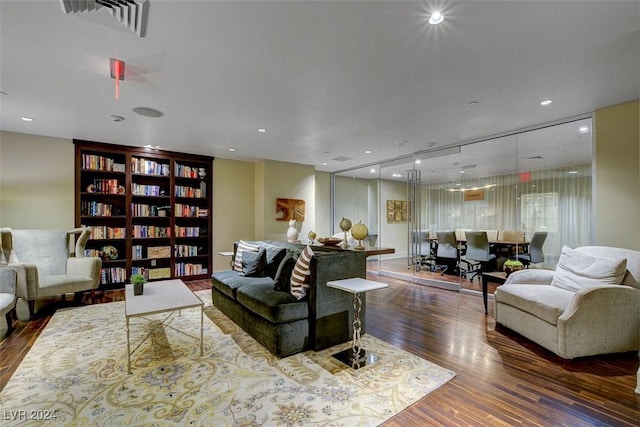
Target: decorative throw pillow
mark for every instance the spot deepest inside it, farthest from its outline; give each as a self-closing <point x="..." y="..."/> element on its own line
<point x="300" y="274"/>
<point x="253" y="263"/>
<point x="576" y="270"/>
<point x="243" y="246"/>
<point x="282" y="280"/>
<point x="275" y="254"/>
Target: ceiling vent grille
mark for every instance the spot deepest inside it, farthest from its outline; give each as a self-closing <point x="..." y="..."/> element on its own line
<point x="132" y="14"/>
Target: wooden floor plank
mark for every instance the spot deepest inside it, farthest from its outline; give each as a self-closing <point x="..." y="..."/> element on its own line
<point x="502" y="379"/>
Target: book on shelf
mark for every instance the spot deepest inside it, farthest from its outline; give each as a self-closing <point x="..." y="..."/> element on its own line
<point x="149" y="167"/>
<point x="104" y="232"/>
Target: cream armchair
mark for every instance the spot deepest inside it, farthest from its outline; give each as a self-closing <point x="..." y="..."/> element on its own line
<point x="49" y="263"/>
<point x="589" y="305"/>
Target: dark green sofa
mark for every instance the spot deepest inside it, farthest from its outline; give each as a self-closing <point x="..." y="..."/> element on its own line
<point x="280" y="322"/>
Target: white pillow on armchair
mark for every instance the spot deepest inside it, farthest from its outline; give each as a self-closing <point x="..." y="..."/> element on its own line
<point x="576" y="271"/>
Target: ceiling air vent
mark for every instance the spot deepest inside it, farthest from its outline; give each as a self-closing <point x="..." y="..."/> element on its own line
<point x="132" y="14"/>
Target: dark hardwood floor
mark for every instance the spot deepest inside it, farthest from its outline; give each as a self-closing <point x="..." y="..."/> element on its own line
<point x="502" y="378"/>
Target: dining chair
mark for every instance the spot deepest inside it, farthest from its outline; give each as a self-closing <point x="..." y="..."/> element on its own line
<point x="535" y="254"/>
<point x="478" y="255"/>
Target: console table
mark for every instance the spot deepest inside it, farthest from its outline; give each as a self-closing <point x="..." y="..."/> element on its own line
<point x="356" y="356"/>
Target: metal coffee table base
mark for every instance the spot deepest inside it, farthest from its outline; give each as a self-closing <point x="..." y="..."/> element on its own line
<point x="347" y="357"/>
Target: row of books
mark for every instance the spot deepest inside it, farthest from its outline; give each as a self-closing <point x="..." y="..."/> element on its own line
<point x="185" y="171"/>
<point x="188" y="269"/>
<point x="100" y="163"/>
<point x="182" y="210"/>
<point x="145" y="231"/>
<point x="104" y="232"/>
<point x="140" y="209"/>
<point x="187" y="231"/>
<point x="104" y="186"/>
<point x="185" y="250"/>
<point x="92" y="208"/>
<point x="183" y="191"/>
<point x="113" y="275"/>
<point x="145" y="190"/>
<point x="149" y="167"/>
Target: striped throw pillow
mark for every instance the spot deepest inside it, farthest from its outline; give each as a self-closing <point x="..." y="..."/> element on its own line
<point x="300" y="274"/>
<point x="243" y="246"/>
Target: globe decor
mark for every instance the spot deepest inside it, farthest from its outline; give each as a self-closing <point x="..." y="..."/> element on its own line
<point x="512" y="265"/>
<point x="345" y="225"/>
<point x="359" y="232"/>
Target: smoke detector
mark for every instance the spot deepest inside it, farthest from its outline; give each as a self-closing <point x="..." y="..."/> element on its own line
<point x="133" y="14"/>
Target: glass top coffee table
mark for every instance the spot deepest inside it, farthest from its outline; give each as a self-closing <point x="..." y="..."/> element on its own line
<point x="165" y="296"/>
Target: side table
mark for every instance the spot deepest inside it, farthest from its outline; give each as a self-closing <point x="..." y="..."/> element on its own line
<point x="356" y="356"/>
<point x="491" y="277"/>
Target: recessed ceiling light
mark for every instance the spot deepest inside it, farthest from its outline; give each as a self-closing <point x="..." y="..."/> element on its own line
<point x="436" y="18"/>
<point x="27" y="119"/>
<point x="262" y="130"/>
<point x="418" y="161"/>
<point x="473" y="103"/>
<point x="373" y="170"/>
<point x="3" y="93"/>
<point x="324" y="164"/>
<point x="232" y="149"/>
<point x="367" y="152"/>
<point x="583" y="129"/>
<point x="546" y="102"/>
<point x="573" y="172"/>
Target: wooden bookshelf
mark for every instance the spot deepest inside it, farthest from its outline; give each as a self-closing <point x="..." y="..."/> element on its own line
<point x="149" y="211"/>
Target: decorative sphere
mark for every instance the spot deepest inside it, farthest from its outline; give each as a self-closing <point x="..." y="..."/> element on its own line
<point x="312" y="235"/>
<point x="345" y="224"/>
<point x="359" y="231"/>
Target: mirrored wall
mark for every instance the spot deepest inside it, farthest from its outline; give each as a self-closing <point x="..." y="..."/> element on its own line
<point x="511" y="187"/>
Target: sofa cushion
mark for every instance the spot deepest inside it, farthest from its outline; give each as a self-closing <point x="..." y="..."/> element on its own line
<point x="47" y="249"/>
<point x="300" y="275"/>
<point x="58" y="284"/>
<point x="243" y="246"/>
<point x="576" y="270"/>
<point x="543" y="301"/>
<point x="253" y="263"/>
<point x="275" y="306"/>
<point x="275" y="254"/>
<point x="282" y="280"/>
<point x="228" y="281"/>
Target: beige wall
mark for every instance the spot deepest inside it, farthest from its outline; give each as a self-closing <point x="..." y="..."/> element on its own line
<point x="283" y="180"/>
<point x="617" y="176"/>
<point x="233" y="206"/>
<point x="36" y="181"/>
<point x="322" y="226"/>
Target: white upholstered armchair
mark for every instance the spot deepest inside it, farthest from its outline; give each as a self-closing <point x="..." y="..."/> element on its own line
<point x="589" y="305"/>
<point x="49" y="263"/>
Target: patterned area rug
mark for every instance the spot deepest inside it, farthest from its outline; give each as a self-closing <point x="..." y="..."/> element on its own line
<point x="76" y="375"/>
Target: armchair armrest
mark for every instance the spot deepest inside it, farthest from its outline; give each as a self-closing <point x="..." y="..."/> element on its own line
<point x="78" y="250"/>
<point x="599" y="303"/>
<point x="27" y="280"/>
<point x="600" y="319"/>
<point x="531" y="277"/>
<point x="8" y="280"/>
<point x="88" y="267"/>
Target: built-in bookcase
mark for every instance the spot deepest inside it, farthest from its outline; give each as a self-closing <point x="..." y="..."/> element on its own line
<point x="149" y="211"/>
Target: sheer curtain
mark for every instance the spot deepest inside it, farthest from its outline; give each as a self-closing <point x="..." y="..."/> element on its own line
<point x="557" y="201"/>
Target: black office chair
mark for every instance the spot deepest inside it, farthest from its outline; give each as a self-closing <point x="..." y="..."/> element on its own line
<point x="424" y="255"/>
<point x="478" y="255"/>
<point x="535" y="253"/>
<point x="447" y="252"/>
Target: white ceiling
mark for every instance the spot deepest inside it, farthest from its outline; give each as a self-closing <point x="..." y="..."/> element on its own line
<point x="327" y="79"/>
